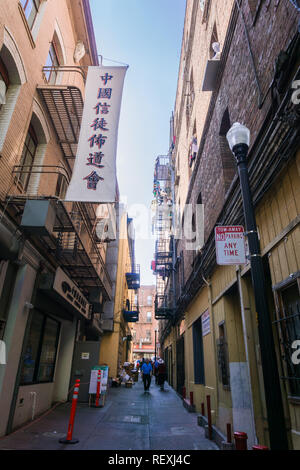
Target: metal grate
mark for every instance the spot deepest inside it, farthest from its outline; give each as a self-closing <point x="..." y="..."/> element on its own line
<point x="288" y="327"/>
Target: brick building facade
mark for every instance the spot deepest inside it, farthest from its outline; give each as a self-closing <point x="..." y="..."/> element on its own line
<point x="211" y="341"/>
<point x="143" y="333"/>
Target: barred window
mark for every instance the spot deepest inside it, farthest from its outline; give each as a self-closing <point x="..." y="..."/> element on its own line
<point x="288" y="327"/>
<point x="222" y="354"/>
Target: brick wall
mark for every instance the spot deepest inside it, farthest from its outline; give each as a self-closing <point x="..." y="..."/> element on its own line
<point x="275" y="24"/>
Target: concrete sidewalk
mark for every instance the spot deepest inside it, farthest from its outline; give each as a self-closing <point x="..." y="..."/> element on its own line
<point x="130" y="420"/>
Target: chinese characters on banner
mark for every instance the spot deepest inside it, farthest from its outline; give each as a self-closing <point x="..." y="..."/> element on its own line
<point x="94" y="174"/>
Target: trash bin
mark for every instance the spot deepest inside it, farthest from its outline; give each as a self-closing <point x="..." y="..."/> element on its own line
<point x="240" y="440"/>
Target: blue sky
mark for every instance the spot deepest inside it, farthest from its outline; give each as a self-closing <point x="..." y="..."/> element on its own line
<point x="146" y="35"/>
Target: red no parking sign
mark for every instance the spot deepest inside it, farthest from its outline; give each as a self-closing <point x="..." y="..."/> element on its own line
<point x="230" y="245"/>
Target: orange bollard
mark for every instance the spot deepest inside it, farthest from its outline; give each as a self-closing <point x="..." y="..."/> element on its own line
<point x="68" y="439"/>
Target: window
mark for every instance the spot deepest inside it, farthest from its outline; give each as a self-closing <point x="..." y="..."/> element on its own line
<point x="149" y="317"/>
<point x="52" y="61"/>
<point x="213" y="42"/>
<point x="4" y="82"/>
<point x="198" y="352"/>
<point x="28" y="154"/>
<point x="222" y="352"/>
<point x="288" y="325"/>
<point x="61" y="186"/>
<point x="227" y="158"/>
<point x="206" y="11"/>
<point x="40" y="350"/>
<point x="148" y="336"/>
<point x="149" y="300"/>
<point x="254" y="7"/>
<point x="31" y="8"/>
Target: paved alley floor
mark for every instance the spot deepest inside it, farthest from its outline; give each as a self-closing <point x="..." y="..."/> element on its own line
<point x="130" y="420"/>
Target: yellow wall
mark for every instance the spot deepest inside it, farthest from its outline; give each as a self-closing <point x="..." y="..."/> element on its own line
<point x="113" y="348"/>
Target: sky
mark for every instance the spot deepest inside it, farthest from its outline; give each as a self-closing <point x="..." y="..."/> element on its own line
<point x="146" y="35"/>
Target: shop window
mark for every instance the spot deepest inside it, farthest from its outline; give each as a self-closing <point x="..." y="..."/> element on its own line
<point x="288" y="325"/>
<point x="222" y="354"/>
<point x="198" y="352"/>
<point x="38" y="363"/>
<point x="31" y="8"/>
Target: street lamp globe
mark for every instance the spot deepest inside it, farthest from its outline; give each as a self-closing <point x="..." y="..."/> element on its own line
<point x="237" y="135"/>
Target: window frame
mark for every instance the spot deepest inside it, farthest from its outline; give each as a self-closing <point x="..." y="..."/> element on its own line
<point x="35" y="380"/>
<point x="52" y="73"/>
<point x="284" y="350"/>
<point x="34" y="139"/>
<point x="147" y="317"/>
<point x="36" y="9"/>
<point x="198" y="352"/>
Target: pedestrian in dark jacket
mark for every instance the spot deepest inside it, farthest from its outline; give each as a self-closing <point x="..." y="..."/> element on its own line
<point x="161" y="373"/>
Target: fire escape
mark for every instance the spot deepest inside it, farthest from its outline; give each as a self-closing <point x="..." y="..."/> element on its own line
<point x="163" y="228"/>
<point x="63" y="232"/>
<point x="131" y="306"/>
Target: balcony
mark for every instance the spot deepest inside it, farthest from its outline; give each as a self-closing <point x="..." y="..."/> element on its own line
<point x="163" y="253"/>
<point x="63" y="97"/>
<point x="63" y="232"/>
<point x="131" y="310"/>
<point x="163" y="308"/>
<point x="133" y="277"/>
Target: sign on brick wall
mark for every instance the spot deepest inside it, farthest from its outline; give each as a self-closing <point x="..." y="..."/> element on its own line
<point x="230" y="245"/>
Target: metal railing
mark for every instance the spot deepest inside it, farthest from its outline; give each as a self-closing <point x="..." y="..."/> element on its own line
<point x="69" y="75"/>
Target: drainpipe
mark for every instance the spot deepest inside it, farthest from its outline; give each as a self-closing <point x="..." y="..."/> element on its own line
<point x="208" y="284"/>
<point x="9" y="244"/>
<point x="246" y="351"/>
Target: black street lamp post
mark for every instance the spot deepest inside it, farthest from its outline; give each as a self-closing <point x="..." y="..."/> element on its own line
<point x="239" y="139"/>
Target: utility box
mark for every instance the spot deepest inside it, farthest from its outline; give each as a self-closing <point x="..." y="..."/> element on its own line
<point x="38" y="217"/>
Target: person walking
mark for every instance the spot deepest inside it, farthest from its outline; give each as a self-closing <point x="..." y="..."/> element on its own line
<point x="161" y="373"/>
<point x="146" y="371"/>
<point x="155" y="369"/>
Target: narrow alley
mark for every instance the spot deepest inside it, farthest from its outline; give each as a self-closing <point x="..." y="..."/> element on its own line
<point x="130" y="420"/>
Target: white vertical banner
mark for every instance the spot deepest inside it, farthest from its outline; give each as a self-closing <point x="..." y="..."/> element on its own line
<point x="94" y="173"/>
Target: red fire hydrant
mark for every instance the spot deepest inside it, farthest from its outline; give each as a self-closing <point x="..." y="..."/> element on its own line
<point x="240" y="440"/>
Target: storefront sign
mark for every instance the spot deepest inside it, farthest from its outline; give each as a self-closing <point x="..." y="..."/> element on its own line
<point x="230" y="245"/>
<point x="69" y="291"/>
<point x="205" y="320"/>
<point x="94" y="174"/>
